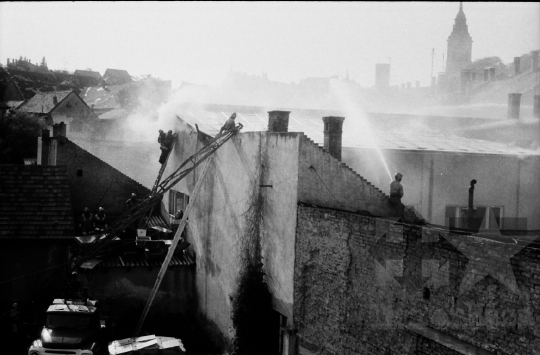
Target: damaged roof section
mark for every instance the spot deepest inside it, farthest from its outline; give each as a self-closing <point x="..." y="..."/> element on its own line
<point x="35" y="202"/>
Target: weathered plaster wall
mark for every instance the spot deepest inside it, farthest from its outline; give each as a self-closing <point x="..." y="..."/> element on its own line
<point x="218" y="221"/>
<point x="360" y="281"/>
<point x="325" y="181"/>
<point x="502" y="180"/>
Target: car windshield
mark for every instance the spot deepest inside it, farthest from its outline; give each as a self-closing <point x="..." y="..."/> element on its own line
<point x="79" y="321"/>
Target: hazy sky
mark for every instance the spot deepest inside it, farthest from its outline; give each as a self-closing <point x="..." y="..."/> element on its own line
<point x="199" y="42"/>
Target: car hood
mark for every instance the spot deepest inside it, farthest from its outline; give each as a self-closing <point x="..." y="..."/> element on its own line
<point x="67" y="338"/>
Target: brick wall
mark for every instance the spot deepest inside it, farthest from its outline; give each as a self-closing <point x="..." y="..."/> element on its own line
<point x="361" y="282"/>
<point x="94" y="183"/>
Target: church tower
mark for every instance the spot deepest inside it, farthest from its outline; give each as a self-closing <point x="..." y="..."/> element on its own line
<point x="458" y="50"/>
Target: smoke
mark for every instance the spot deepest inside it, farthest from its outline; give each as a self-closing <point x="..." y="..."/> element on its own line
<point x="154" y="112"/>
<point x="356" y="126"/>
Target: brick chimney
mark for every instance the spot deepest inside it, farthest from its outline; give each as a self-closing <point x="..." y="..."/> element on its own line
<point x="536" y="107"/>
<point x="514" y="100"/>
<point x="333" y="132"/>
<point x="534" y="55"/>
<point x="517" y="65"/>
<point x="43" y="148"/>
<point x="62" y="131"/>
<point x="278" y="121"/>
<point x="59" y="129"/>
<point x="55" y="100"/>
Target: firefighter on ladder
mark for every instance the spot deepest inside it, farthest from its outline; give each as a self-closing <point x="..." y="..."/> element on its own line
<point x="166" y="142"/>
<point x="229" y="125"/>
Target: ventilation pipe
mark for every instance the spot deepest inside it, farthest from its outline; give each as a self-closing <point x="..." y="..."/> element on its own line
<point x="514" y="100"/>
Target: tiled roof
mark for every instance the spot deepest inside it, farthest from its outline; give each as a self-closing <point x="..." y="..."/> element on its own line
<point x="44" y="102"/>
<point x="117" y="76"/>
<point x="14" y="104"/>
<point x="93" y="74"/>
<point x="35" y="202"/>
<point x="210" y="118"/>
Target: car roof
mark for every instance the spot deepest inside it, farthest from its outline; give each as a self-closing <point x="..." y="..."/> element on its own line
<point x="72" y="306"/>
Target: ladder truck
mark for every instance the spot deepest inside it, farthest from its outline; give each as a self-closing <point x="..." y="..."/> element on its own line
<point x="138" y="211"/>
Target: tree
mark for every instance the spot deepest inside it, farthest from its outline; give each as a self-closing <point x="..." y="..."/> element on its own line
<point x="18" y="137"/>
<point x="490" y="62"/>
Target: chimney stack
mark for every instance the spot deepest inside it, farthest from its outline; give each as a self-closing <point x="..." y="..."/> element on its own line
<point x="536" y="107"/>
<point x="278" y="121"/>
<point x="491" y="74"/>
<point x="333" y="132"/>
<point x="486" y="74"/>
<point x="43" y="148"/>
<point x="514" y="100"/>
<point x="62" y="130"/>
<point x="55" y="130"/>
<point x="517" y="65"/>
<point x="534" y="60"/>
<point x="417" y="84"/>
<point x="55" y="100"/>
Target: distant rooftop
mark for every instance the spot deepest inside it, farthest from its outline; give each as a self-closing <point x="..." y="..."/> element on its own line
<point x="210" y="118"/>
<point x="44" y="102"/>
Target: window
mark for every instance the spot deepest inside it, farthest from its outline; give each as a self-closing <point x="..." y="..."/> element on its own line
<point x="177" y="202"/>
<point x="278" y="339"/>
<point x="488" y="217"/>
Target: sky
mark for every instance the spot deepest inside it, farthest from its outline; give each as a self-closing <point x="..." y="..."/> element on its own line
<point x="200" y="42"/>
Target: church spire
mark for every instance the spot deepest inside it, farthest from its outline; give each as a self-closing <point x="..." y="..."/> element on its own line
<point x="460" y="23"/>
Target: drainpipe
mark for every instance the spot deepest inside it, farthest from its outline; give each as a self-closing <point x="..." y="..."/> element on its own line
<point x="471" y="212"/>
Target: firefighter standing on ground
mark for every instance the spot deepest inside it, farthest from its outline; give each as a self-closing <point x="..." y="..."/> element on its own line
<point x="396" y="193"/>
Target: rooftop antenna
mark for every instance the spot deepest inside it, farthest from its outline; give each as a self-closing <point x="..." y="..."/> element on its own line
<point x="443" y="62"/>
<point x="432" y="55"/>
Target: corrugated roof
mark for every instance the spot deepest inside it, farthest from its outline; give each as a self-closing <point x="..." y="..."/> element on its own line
<point x="210" y="118"/>
<point x="156" y="221"/>
<point x="35" y="202"/>
<point x="44" y="102"/>
<point x="139" y="261"/>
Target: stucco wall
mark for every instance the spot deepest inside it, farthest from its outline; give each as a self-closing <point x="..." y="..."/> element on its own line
<point x="218" y="220"/>
<point x="502" y="180"/>
<point x="360" y="281"/>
